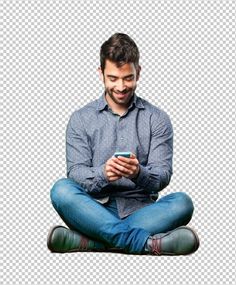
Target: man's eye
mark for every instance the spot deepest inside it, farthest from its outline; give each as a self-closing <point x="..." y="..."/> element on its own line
<point x="129" y="78"/>
<point x="113" y="79"/>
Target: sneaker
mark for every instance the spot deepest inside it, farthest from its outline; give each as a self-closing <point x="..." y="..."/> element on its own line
<point x="61" y="239"/>
<point x="181" y="241"/>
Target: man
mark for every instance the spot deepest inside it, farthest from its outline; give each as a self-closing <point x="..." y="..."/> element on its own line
<point x="111" y="203"/>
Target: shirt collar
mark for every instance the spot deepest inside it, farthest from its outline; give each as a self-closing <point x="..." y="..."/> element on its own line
<point x="102" y="102"/>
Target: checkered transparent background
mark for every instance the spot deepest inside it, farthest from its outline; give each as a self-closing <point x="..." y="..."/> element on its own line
<point x="49" y="57"/>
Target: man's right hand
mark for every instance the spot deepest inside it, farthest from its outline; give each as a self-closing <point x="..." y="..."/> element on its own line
<point x="109" y="171"/>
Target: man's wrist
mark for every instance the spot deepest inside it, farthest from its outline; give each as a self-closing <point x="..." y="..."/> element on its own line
<point x="143" y="177"/>
<point x="104" y="173"/>
<point x="137" y="173"/>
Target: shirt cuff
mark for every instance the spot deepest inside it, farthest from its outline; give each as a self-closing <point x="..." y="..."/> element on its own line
<point x="143" y="177"/>
<point x="102" y="180"/>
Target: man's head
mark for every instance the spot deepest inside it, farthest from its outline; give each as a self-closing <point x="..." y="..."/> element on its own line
<point x="120" y="49"/>
<point x="119" y="70"/>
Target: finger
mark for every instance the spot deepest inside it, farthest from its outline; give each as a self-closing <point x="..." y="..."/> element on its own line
<point x="112" y="174"/>
<point x="119" y="169"/>
<point x="117" y="172"/>
<point x="124" y="161"/>
<point x="125" y="173"/>
<point x="117" y="161"/>
<point x="120" y="173"/>
<point x="121" y="165"/>
<point x="114" y="178"/>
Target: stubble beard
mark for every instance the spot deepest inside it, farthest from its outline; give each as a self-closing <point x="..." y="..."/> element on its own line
<point x="110" y="92"/>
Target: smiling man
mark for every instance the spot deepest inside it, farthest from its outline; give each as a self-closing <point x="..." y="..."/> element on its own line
<point x="109" y="201"/>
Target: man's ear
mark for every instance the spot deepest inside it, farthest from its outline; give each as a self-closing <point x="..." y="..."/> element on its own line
<point x="100" y="74"/>
<point x="138" y="73"/>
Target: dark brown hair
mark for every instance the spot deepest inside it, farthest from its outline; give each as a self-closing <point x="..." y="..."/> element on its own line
<point x="121" y="49"/>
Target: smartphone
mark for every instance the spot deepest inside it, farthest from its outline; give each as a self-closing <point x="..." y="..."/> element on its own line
<point x="123" y="153"/>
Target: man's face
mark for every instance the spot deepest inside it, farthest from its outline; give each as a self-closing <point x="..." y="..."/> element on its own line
<point x="120" y="83"/>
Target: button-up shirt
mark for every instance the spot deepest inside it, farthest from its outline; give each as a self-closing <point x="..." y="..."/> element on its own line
<point x="94" y="133"/>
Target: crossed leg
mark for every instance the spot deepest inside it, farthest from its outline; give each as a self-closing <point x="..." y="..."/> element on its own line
<point x="85" y="215"/>
<point x="169" y="212"/>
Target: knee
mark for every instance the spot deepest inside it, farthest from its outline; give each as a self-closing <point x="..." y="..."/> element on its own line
<point x="184" y="205"/>
<point x="59" y="190"/>
<point x="63" y="190"/>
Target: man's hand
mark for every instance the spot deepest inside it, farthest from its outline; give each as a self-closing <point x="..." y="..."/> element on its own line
<point x="115" y="168"/>
<point x="109" y="173"/>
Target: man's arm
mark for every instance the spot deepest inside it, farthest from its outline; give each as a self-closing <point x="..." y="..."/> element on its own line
<point x="79" y="158"/>
<point x="157" y="173"/>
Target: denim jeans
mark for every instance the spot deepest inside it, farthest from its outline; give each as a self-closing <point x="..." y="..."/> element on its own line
<point x="101" y="222"/>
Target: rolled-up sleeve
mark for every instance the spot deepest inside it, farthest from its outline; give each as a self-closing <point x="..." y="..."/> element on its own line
<point x="79" y="157"/>
<point x="156" y="175"/>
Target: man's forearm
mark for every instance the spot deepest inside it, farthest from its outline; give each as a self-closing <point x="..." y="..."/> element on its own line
<point x="152" y="180"/>
<point x="92" y="179"/>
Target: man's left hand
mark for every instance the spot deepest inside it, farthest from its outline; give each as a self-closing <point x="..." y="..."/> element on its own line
<point x="127" y="167"/>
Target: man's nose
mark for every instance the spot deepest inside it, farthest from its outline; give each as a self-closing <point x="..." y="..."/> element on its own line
<point x="121" y="85"/>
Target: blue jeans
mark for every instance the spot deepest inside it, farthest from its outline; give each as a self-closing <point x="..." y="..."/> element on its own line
<point x="101" y="222"/>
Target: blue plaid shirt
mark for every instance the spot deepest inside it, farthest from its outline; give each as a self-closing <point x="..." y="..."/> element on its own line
<point x="94" y="133"/>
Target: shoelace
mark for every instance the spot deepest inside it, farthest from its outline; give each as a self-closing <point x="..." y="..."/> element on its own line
<point x="156" y="246"/>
